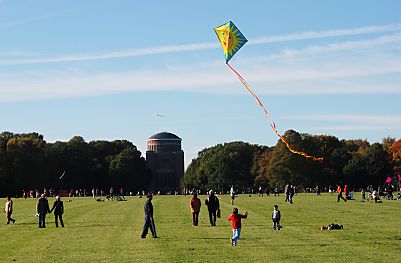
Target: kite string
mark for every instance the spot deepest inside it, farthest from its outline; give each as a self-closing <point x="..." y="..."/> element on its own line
<point x="273" y="125"/>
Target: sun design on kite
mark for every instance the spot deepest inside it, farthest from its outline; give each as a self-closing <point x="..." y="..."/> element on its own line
<point x="231" y="39"/>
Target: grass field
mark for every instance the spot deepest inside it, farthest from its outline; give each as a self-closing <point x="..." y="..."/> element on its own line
<point x="110" y="232"/>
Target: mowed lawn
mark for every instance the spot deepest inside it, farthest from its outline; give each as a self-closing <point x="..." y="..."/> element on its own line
<point x="110" y="232"/>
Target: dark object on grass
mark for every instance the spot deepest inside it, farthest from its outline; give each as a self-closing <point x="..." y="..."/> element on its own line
<point x="332" y="226"/>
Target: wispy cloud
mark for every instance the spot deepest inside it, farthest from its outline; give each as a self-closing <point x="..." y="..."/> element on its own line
<point x="207" y="45"/>
<point x="349" y="73"/>
<point x="353" y="118"/>
<point x="326" y="34"/>
<point x="351" y="122"/>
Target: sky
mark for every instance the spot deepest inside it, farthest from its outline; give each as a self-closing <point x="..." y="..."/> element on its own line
<point x="107" y="70"/>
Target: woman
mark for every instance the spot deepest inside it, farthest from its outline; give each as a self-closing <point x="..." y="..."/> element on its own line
<point x="195" y="205"/>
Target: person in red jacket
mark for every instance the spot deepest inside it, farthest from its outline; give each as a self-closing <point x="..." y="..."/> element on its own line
<point x="195" y="205"/>
<point x="235" y="219"/>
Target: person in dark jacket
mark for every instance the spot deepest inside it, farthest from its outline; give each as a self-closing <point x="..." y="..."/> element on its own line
<point x="213" y="205"/>
<point x="276" y="217"/>
<point x="42" y="208"/>
<point x="58" y="208"/>
<point x="149" y="221"/>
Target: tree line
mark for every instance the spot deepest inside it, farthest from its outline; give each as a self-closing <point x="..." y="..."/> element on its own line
<point x="356" y="163"/>
<point x="28" y="162"/>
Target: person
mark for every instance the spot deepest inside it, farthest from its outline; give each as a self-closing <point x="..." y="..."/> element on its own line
<point x="291" y="191"/>
<point x="42" y="208"/>
<point x="213" y="205"/>
<point x="276" y="191"/>
<point x="149" y="221"/>
<point x="340" y="194"/>
<point x="195" y="205"/>
<point x="111" y="193"/>
<point x="260" y="191"/>
<point x="235" y="219"/>
<point x="8" y="209"/>
<point x="317" y="190"/>
<point x="58" y="208"/>
<point x="363" y="193"/>
<point x="287" y="192"/>
<point x="376" y="196"/>
<point x="276" y="217"/>
<point x="346" y="192"/>
<point x="232" y="194"/>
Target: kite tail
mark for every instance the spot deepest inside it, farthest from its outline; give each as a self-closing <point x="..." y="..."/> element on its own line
<point x="250" y="91"/>
<point x="320" y="159"/>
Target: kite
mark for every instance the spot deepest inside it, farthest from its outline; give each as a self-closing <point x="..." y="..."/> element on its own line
<point x="231" y="40"/>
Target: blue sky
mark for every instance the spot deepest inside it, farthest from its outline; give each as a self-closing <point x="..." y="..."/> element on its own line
<point x="107" y="70"/>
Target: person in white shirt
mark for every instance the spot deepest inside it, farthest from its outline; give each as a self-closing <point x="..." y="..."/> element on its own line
<point x="8" y="209"/>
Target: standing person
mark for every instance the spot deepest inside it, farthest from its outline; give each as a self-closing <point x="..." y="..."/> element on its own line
<point x="235" y="219"/>
<point x="287" y="193"/>
<point x="195" y="205"/>
<point x="149" y="221"/>
<point x="42" y="208"/>
<point x="213" y="205"/>
<point x="276" y="191"/>
<point x="276" y="217"/>
<point x="363" y="193"/>
<point x="340" y="194"/>
<point x="8" y="209"/>
<point x="232" y="194"/>
<point x="111" y="193"/>
<point x="58" y="208"/>
<point x="291" y="191"/>
<point x="317" y="190"/>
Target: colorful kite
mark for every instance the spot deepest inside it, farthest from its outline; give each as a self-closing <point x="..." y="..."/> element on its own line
<point x="231" y="40"/>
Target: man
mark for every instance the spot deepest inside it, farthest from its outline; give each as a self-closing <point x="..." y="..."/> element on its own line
<point x="8" y="209"/>
<point x="213" y="205"/>
<point x="42" y="208"/>
<point x="149" y="221"/>
<point x="58" y="208"/>
<point x="340" y="194"/>
<point x="287" y="192"/>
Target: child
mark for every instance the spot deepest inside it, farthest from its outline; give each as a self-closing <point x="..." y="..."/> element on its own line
<point x="276" y="216"/>
<point x="236" y="225"/>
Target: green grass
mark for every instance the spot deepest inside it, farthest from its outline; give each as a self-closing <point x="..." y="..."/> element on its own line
<point x="110" y="232"/>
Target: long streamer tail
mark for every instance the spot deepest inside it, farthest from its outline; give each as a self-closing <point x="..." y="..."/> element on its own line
<point x="266" y="114"/>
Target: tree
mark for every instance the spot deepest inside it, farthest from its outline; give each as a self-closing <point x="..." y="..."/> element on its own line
<point x="128" y="170"/>
<point x="221" y="166"/>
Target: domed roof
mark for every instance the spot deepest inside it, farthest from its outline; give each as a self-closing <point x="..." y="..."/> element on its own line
<point x="164" y="136"/>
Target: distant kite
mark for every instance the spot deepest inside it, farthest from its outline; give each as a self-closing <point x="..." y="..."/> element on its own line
<point x="231" y="40"/>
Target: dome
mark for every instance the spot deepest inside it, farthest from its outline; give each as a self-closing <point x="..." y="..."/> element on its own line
<point x="164" y="136"/>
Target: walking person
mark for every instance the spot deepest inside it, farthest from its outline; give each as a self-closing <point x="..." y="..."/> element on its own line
<point x="58" y="208"/>
<point x="149" y="221"/>
<point x="213" y="205"/>
<point x="42" y="209"/>
<point x="340" y="194"/>
<point x="8" y="209"/>
<point x="235" y="219"/>
<point x="276" y="217"/>
<point x="195" y="205"/>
